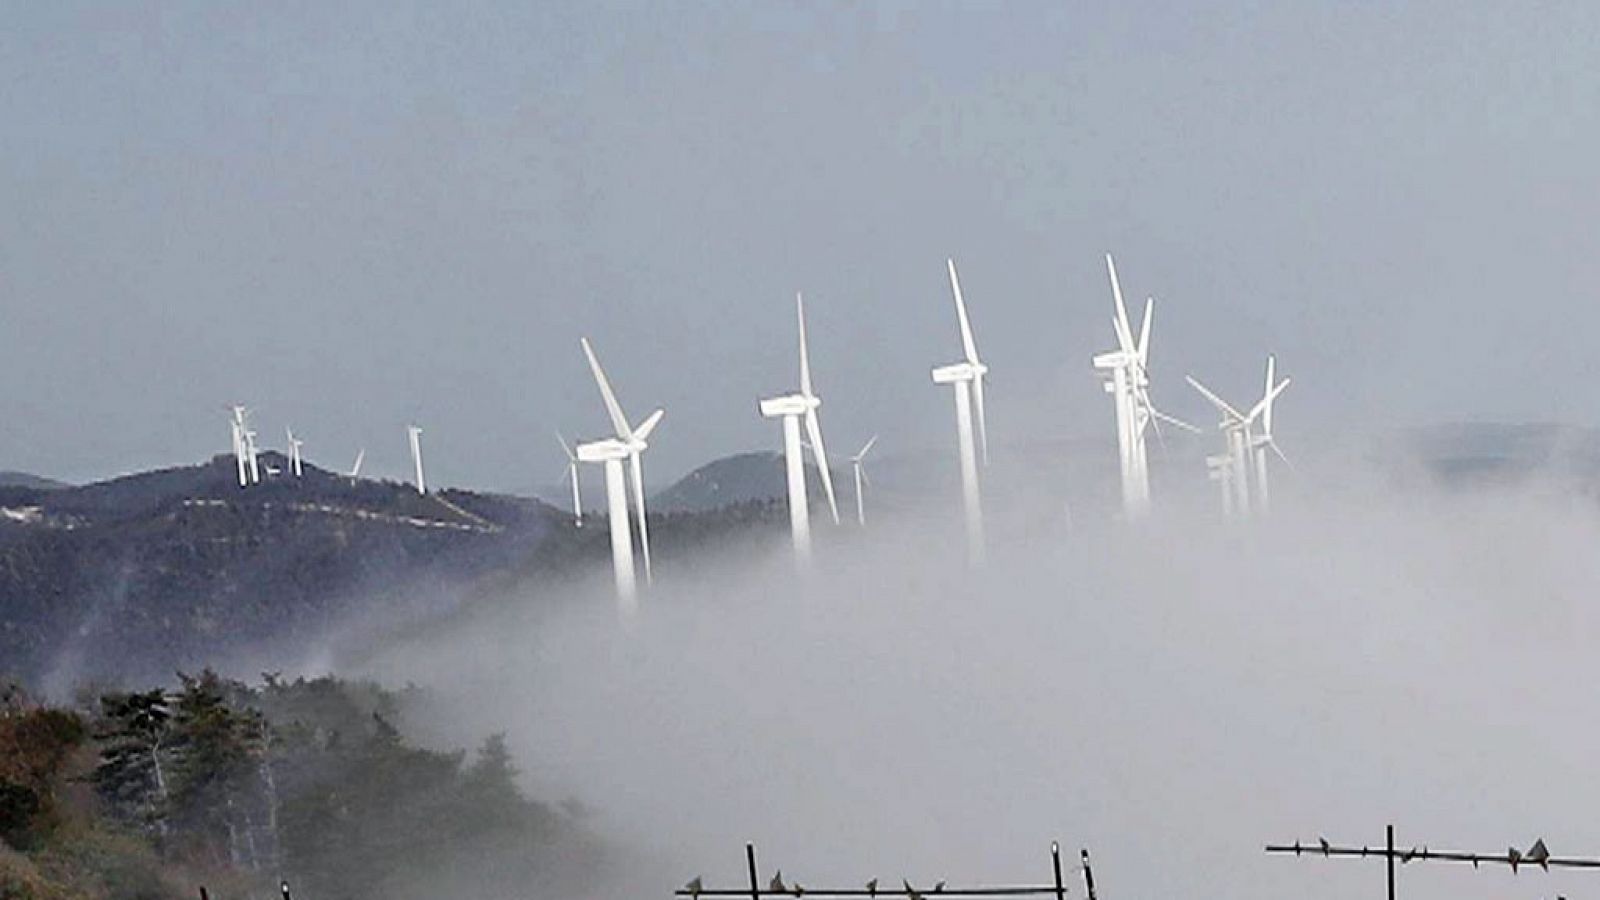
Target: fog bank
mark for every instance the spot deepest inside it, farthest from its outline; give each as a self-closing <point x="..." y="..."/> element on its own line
<point x="1172" y="694"/>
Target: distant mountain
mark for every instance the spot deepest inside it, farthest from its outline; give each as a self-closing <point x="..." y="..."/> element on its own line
<point x="181" y="567"/>
<point x="30" y="482"/>
<point x="740" y="479"/>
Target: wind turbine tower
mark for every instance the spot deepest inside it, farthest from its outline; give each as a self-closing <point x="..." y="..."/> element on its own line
<point x="966" y="377"/>
<point x="628" y="444"/>
<point x="415" y="435"/>
<point x="791" y="408"/>
<point x="861" y="479"/>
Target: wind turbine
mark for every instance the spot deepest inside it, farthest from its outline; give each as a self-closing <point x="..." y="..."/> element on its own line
<point x="415" y="435"/>
<point x="628" y="444"/>
<point x="251" y="459"/>
<point x="294" y="452"/>
<point x="1236" y="429"/>
<point x="966" y="377"/>
<point x="572" y="475"/>
<point x="236" y="424"/>
<point x="861" y="479"/>
<point x="1129" y="385"/>
<point x="1260" y="443"/>
<point x="355" y="470"/>
<point x="792" y="408"/>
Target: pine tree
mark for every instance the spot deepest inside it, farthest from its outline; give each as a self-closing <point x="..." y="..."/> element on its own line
<point x="136" y="732"/>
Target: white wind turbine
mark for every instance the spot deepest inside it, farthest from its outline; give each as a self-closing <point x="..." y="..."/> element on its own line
<point x="966" y="377"/>
<point x="1259" y="444"/>
<point x="861" y="479"/>
<point x="236" y="424"/>
<point x="414" y="434"/>
<point x="355" y="469"/>
<point x="1129" y="385"/>
<point x="294" y="452"/>
<point x="251" y="457"/>
<point x="572" y="476"/>
<point x="628" y="444"/>
<point x="1236" y="428"/>
<point x="792" y="408"/>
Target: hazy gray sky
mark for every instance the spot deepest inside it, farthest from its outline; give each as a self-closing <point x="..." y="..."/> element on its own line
<point x="352" y="215"/>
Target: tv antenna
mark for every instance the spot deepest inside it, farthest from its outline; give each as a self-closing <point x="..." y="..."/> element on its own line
<point x="1536" y="855"/>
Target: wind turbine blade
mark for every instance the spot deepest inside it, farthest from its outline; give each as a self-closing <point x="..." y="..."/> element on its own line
<point x="1124" y="330"/>
<point x="1143" y="350"/>
<point x="1266" y="402"/>
<point x="983" y="422"/>
<point x="1155" y="421"/>
<point x="814" y="430"/>
<point x="613" y="409"/>
<point x="1275" y="449"/>
<point x="1266" y="416"/>
<point x="567" y="447"/>
<point x="967" y="344"/>
<point x="1216" y="401"/>
<point x="867" y="446"/>
<point x="649" y="425"/>
<point x="1173" y="420"/>
<point x="805" y="357"/>
<point x="644" y="527"/>
<point x="361" y="456"/>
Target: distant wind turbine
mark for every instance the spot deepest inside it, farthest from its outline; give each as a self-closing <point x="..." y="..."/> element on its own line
<point x="629" y="443"/>
<point x="414" y="434"/>
<point x="1236" y="427"/>
<point x="966" y="377"/>
<point x="791" y="408"/>
<point x="572" y="476"/>
<point x="294" y="452"/>
<point x="1262" y="442"/>
<point x="861" y="479"/>
<point x="1129" y="385"/>
<point x="236" y="424"/>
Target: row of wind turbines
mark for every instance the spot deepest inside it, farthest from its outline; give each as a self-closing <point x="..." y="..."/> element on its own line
<point x="246" y="453"/>
<point x="1127" y="378"/>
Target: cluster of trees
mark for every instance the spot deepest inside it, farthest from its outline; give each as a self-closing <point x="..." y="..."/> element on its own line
<point x="146" y="795"/>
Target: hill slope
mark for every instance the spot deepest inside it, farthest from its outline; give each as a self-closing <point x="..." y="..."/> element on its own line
<point x="181" y="567"/>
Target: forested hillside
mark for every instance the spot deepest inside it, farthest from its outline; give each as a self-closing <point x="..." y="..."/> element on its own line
<point x="152" y="794"/>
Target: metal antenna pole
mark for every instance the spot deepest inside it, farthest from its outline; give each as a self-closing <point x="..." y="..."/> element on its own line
<point x="1388" y="835"/>
<point x="750" y="857"/>
<point x="1055" y="860"/>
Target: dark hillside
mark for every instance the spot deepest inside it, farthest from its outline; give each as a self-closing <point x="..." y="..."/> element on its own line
<point x="175" y="568"/>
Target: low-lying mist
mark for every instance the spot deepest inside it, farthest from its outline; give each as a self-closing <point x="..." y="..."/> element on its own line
<point x="1171" y="694"/>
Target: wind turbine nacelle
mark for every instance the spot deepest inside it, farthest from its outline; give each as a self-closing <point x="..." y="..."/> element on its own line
<point x="792" y="405"/>
<point x="1116" y="359"/>
<point x="603" y="451"/>
<point x="963" y="371"/>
